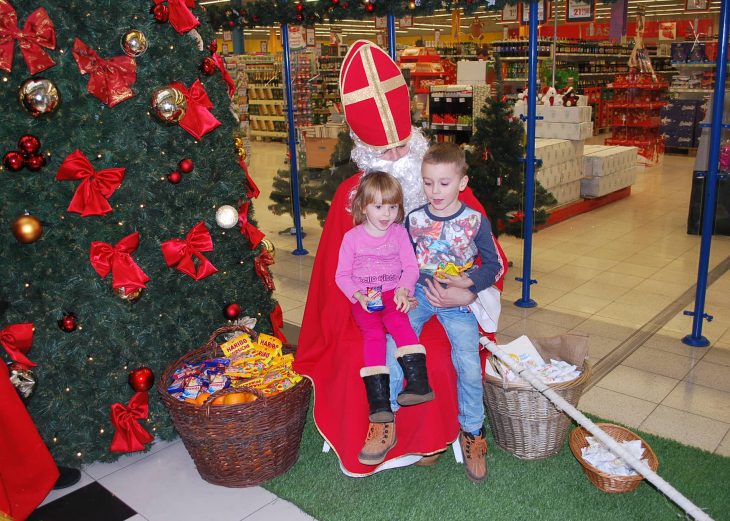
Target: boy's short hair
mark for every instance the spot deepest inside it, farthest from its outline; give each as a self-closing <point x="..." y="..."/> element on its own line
<point x="372" y="184"/>
<point x="447" y="153"/>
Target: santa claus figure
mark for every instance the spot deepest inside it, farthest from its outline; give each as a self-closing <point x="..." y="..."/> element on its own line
<point x="330" y="353"/>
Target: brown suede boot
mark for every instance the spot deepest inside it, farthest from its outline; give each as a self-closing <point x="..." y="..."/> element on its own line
<point x="474" y="448"/>
<point x="381" y="438"/>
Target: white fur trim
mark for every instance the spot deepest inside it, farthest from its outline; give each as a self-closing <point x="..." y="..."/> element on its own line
<point x="376" y="369"/>
<point x="415" y="349"/>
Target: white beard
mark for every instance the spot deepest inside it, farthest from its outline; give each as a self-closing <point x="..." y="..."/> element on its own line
<point x="407" y="170"/>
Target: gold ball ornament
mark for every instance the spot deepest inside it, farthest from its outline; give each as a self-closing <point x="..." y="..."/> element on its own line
<point x="238" y="142"/>
<point x="168" y="106"/>
<point x="27" y="229"/>
<point x="411" y="5"/>
<point x="39" y="96"/>
<point x="266" y="243"/>
<point x="133" y="295"/>
<point x="134" y="43"/>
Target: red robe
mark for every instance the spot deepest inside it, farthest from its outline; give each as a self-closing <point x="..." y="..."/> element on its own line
<point x="330" y="353"/>
<point x="27" y="470"/>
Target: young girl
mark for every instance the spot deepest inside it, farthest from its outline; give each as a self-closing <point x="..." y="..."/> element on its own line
<point x="377" y="271"/>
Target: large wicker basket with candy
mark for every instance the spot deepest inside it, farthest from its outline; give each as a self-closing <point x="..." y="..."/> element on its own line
<point x="238" y="407"/>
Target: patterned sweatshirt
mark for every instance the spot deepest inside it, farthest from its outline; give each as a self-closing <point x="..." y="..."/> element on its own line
<point x="458" y="238"/>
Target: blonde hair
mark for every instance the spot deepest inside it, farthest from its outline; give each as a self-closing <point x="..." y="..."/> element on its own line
<point x="372" y="184"/>
<point x="447" y="153"/>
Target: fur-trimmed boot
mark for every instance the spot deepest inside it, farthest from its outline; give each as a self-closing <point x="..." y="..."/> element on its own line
<point x="377" y="387"/>
<point x="412" y="360"/>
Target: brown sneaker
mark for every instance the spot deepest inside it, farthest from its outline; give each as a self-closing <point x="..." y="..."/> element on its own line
<point x="474" y="449"/>
<point x="381" y="438"/>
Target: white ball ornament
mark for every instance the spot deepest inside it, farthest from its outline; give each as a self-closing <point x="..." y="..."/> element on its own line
<point x="226" y="216"/>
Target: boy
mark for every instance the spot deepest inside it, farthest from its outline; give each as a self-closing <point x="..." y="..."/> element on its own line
<point x="447" y="231"/>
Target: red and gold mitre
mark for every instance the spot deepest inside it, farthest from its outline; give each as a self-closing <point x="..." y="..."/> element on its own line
<point x="375" y="96"/>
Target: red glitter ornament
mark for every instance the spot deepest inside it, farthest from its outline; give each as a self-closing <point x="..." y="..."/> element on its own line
<point x="299" y="7"/>
<point x="29" y="144"/>
<point x="213" y="46"/>
<point x="208" y="66"/>
<point x="369" y="7"/>
<point x="186" y="166"/>
<point x="35" y="162"/>
<point x="141" y="379"/>
<point x="13" y="161"/>
<point x="161" y="13"/>
<point x="67" y="323"/>
<point x="174" y="177"/>
<point x="232" y="311"/>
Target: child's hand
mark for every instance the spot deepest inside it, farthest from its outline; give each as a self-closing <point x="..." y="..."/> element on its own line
<point x="402" y="301"/>
<point x="363" y="300"/>
<point x="458" y="281"/>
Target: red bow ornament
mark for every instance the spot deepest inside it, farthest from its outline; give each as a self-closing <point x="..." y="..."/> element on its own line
<point x="38" y="32"/>
<point x="262" y="263"/>
<point x="17" y="339"/>
<point x="181" y="19"/>
<point x="253" y="234"/>
<point x="224" y="74"/>
<point x="179" y="253"/>
<point x="252" y="190"/>
<point x="130" y="435"/>
<point x="109" y="80"/>
<point x="277" y="322"/>
<point x="198" y="119"/>
<point x="118" y="259"/>
<point x="92" y="194"/>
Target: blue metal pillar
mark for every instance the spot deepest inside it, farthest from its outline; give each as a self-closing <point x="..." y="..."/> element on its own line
<point x="391" y="36"/>
<point x="292" y="142"/>
<point x="526" y="279"/>
<point x="708" y="217"/>
<point x="239" y="46"/>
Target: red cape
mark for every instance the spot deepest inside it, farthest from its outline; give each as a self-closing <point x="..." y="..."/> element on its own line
<point x="27" y="470"/>
<point x="330" y="354"/>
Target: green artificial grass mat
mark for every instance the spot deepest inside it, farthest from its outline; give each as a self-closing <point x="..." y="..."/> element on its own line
<point x="554" y="488"/>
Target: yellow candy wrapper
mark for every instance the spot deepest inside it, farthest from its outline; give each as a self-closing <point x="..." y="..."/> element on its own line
<point x="451" y="269"/>
<point x="235" y="348"/>
<point x="270" y="342"/>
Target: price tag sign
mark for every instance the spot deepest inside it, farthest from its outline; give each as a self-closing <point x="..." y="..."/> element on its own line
<point x="449" y="100"/>
<point x="580" y="11"/>
<point x="542" y="13"/>
<point x="458" y="127"/>
<point x="437" y="99"/>
<point x="446" y="127"/>
<point x="461" y="100"/>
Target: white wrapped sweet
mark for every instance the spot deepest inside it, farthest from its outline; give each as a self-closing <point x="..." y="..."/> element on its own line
<point x="604" y="460"/>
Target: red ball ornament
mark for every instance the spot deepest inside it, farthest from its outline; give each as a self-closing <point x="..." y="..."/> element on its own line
<point x="141" y="379"/>
<point x="369" y="8"/>
<point x="300" y="7"/>
<point x="335" y="2"/>
<point x="208" y="66"/>
<point x="35" y="163"/>
<point x="29" y="144"/>
<point x="67" y="323"/>
<point x="174" y="177"/>
<point x="161" y="13"/>
<point x="300" y="17"/>
<point x="255" y="18"/>
<point x="186" y="166"/>
<point x="13" y="161"/>
<point x="231" y="23"/>
<point x="213" y="46"/>
<point x="232" y="311"/>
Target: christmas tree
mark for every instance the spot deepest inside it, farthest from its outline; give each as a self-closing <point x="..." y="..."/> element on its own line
<point x="495" y="175"/>
<point x="95" y="179"/>
<point x="315" y="196"/>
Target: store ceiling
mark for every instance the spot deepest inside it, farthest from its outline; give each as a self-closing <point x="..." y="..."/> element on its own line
<point x="655" y="10"/>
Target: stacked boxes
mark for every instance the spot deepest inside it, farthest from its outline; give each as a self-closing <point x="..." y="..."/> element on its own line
<point x="572" y="123"/>
<point x="607" y="169"/>
<point x="678" y="123"/>
<point x="562" y="167"/>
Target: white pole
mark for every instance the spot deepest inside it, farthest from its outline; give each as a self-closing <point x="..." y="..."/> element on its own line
<point x="607" y="440"/>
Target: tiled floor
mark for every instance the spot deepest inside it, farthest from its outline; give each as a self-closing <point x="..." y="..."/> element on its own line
<point x="607" y="273"/>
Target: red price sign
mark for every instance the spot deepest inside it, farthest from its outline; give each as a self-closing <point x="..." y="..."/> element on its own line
<point x="580" y="11"/>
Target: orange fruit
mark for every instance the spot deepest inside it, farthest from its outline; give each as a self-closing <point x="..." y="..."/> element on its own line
<point x="231" y="399"/>
<point x="219" y="400"/>
<point x="201" y="398"/>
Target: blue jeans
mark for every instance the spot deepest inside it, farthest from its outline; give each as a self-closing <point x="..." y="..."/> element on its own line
<point x="463" y="332"/>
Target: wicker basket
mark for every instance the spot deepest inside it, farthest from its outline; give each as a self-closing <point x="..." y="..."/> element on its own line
<point x="603" y="480"/>
<point x="241" y="445"/>
<point x="523" y="421"/>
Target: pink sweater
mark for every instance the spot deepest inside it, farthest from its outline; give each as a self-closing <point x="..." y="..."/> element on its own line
<point x="366" y="261"/>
